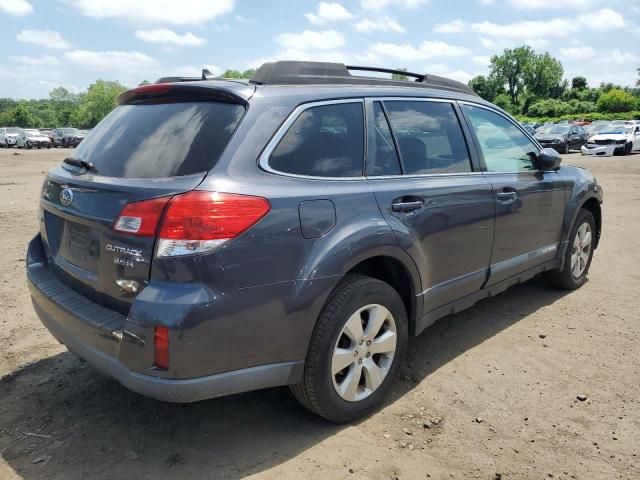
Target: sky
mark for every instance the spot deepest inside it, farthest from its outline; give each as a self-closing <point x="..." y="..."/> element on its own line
<point x="47" y="43"/>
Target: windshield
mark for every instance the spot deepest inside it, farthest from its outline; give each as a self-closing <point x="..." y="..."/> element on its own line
<point x="70" y="130"/>
<point x="160" y="140"/>
<point x="13" y="130"/>
<point x="557" y="129"/>
<point x="616" y="129"/>
<point x="32" y="132"/>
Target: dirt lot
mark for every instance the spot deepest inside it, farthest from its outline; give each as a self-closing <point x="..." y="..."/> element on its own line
<point x="496" y="385"/>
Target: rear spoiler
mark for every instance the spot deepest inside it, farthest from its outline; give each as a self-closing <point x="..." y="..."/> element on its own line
<point x="232" y="92"/>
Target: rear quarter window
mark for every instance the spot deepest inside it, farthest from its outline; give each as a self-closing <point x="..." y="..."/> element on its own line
<point x="323" y="141"/>
<point x="160" y="140"/>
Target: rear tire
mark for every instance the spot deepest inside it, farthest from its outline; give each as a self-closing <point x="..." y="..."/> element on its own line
<point x="363" y="317"/>
<point x="578" y="256"/>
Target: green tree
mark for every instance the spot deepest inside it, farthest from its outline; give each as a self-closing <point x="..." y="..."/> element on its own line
<point x="616" y="100"/>
<point x="144" y="82"/>
<point x="638" y="81"/>
<point x="509" y="69"/>
<point x="578" y="83"/>
<point x="238" y="74"/>
<point x="399" y="76"/>
<point x="22" y="116"/>
<point x="62" y="107"/>
<point x="487" y="88"/>
<point x="99" y="100"/>
<point x="541" y="75"/>
<point x="503" y="100"/>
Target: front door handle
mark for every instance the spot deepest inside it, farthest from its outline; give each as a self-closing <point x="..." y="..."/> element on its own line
<point x="406" y="206"/>
<point x="507" y="196"/>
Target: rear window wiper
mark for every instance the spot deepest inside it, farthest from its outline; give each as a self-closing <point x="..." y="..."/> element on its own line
<point x="78" y="162"/>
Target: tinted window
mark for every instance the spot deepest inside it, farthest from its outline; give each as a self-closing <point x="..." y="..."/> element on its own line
<point x="429" y="137"/>
<point x="160" y="140"/>
<point x="324" y="141"/>
<point x="382" y="156"/>
<point x="504" y="147"/>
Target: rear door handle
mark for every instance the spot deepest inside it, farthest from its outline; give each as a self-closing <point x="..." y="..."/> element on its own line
<point x="507" y="196"/>
<point x="409" y="206"/>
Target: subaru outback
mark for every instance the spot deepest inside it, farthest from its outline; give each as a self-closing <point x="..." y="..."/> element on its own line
<point x="214" y="236"/>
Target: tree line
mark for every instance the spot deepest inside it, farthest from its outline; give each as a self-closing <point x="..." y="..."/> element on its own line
<point x="66" y="109"/>
<point x="520" y="80"/>
<point x="524" y="82"/>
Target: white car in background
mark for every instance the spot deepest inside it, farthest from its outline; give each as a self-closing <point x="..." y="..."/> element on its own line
<point x="8" y="136"/>
<point x="622" y="139"/>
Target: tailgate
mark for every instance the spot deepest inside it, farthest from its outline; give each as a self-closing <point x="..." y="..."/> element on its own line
<point x="84" y="251"/>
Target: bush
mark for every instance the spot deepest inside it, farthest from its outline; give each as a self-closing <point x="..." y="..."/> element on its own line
<point x="549" y="108"/>
<point x="616" y="100"/>
<point x="588" y="116"/>
<point x="503" y="101"/>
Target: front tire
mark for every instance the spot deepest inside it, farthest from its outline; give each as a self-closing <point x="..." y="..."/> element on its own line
<point x="355" y="351"/>
<point x="567" y="148"/>
<point x="579" y="254"/>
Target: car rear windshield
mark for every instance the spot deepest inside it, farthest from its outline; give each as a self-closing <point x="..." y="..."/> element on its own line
<point x="160" y="140"/>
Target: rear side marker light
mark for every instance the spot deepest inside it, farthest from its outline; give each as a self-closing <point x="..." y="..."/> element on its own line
<point x="161" y="347"/>
<point x="193" y="222"/>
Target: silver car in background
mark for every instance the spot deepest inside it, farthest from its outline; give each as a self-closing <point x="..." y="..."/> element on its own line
<point x="8" y="136"/>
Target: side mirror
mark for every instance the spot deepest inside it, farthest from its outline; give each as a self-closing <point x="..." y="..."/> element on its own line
<point x="548" y="159"/>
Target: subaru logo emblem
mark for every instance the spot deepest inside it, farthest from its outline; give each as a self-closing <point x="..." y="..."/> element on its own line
<point x="66" y="196"/>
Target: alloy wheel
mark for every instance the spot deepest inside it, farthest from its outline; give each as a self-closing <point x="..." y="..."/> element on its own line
<point x="363" y="353"/>
<point x="581" y="250"/>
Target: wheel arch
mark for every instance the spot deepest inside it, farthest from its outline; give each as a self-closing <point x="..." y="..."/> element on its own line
<point x="593" y="206"/>
<point x="400" y="275"/>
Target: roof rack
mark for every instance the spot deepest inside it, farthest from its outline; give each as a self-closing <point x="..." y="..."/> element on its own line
<point x="327" y="73"/>
<point x="314" y="73"/>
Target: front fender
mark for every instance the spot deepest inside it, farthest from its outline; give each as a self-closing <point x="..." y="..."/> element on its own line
<point x="580" y="188"/>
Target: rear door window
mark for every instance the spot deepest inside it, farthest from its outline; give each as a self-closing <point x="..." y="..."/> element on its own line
<point x="160" y="140"/>
<point x="324" y="141"/>
<point x="429" y="137"/>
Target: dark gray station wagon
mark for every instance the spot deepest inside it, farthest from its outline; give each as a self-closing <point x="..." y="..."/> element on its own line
<point x="215" y="236"/>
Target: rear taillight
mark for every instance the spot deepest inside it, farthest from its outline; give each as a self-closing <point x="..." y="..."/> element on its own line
<point x="193" y="222"/>
<point x="161" y="347"/>
<point x="197" y="222"/>
<point x="141" y="218"/>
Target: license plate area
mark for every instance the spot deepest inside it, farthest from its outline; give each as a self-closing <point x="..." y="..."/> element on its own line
<point x="81" y="246"/>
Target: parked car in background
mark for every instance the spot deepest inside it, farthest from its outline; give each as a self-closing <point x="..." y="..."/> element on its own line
<point x="47" y="131"/>
<point x="529" y="128"/>
<point x="562" y="137"/>
<point x="8" y="136"/>
<point x="32" y="138"/>
<point x="596" y="128"/>
<point x="614" y="139"/>
<point x="234" y="237"/>
<point x="67" y="137"/>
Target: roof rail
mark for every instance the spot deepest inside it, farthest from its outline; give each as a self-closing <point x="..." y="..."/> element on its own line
<point x="318" y="73"/>
<point x="314" y="73"/>
<point x="419" y="77"/>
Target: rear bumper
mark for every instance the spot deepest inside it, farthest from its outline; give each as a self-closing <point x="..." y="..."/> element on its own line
<point x="97" y="334"/>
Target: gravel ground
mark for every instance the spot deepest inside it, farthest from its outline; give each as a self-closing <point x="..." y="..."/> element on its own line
<point x="535" y="383"/>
